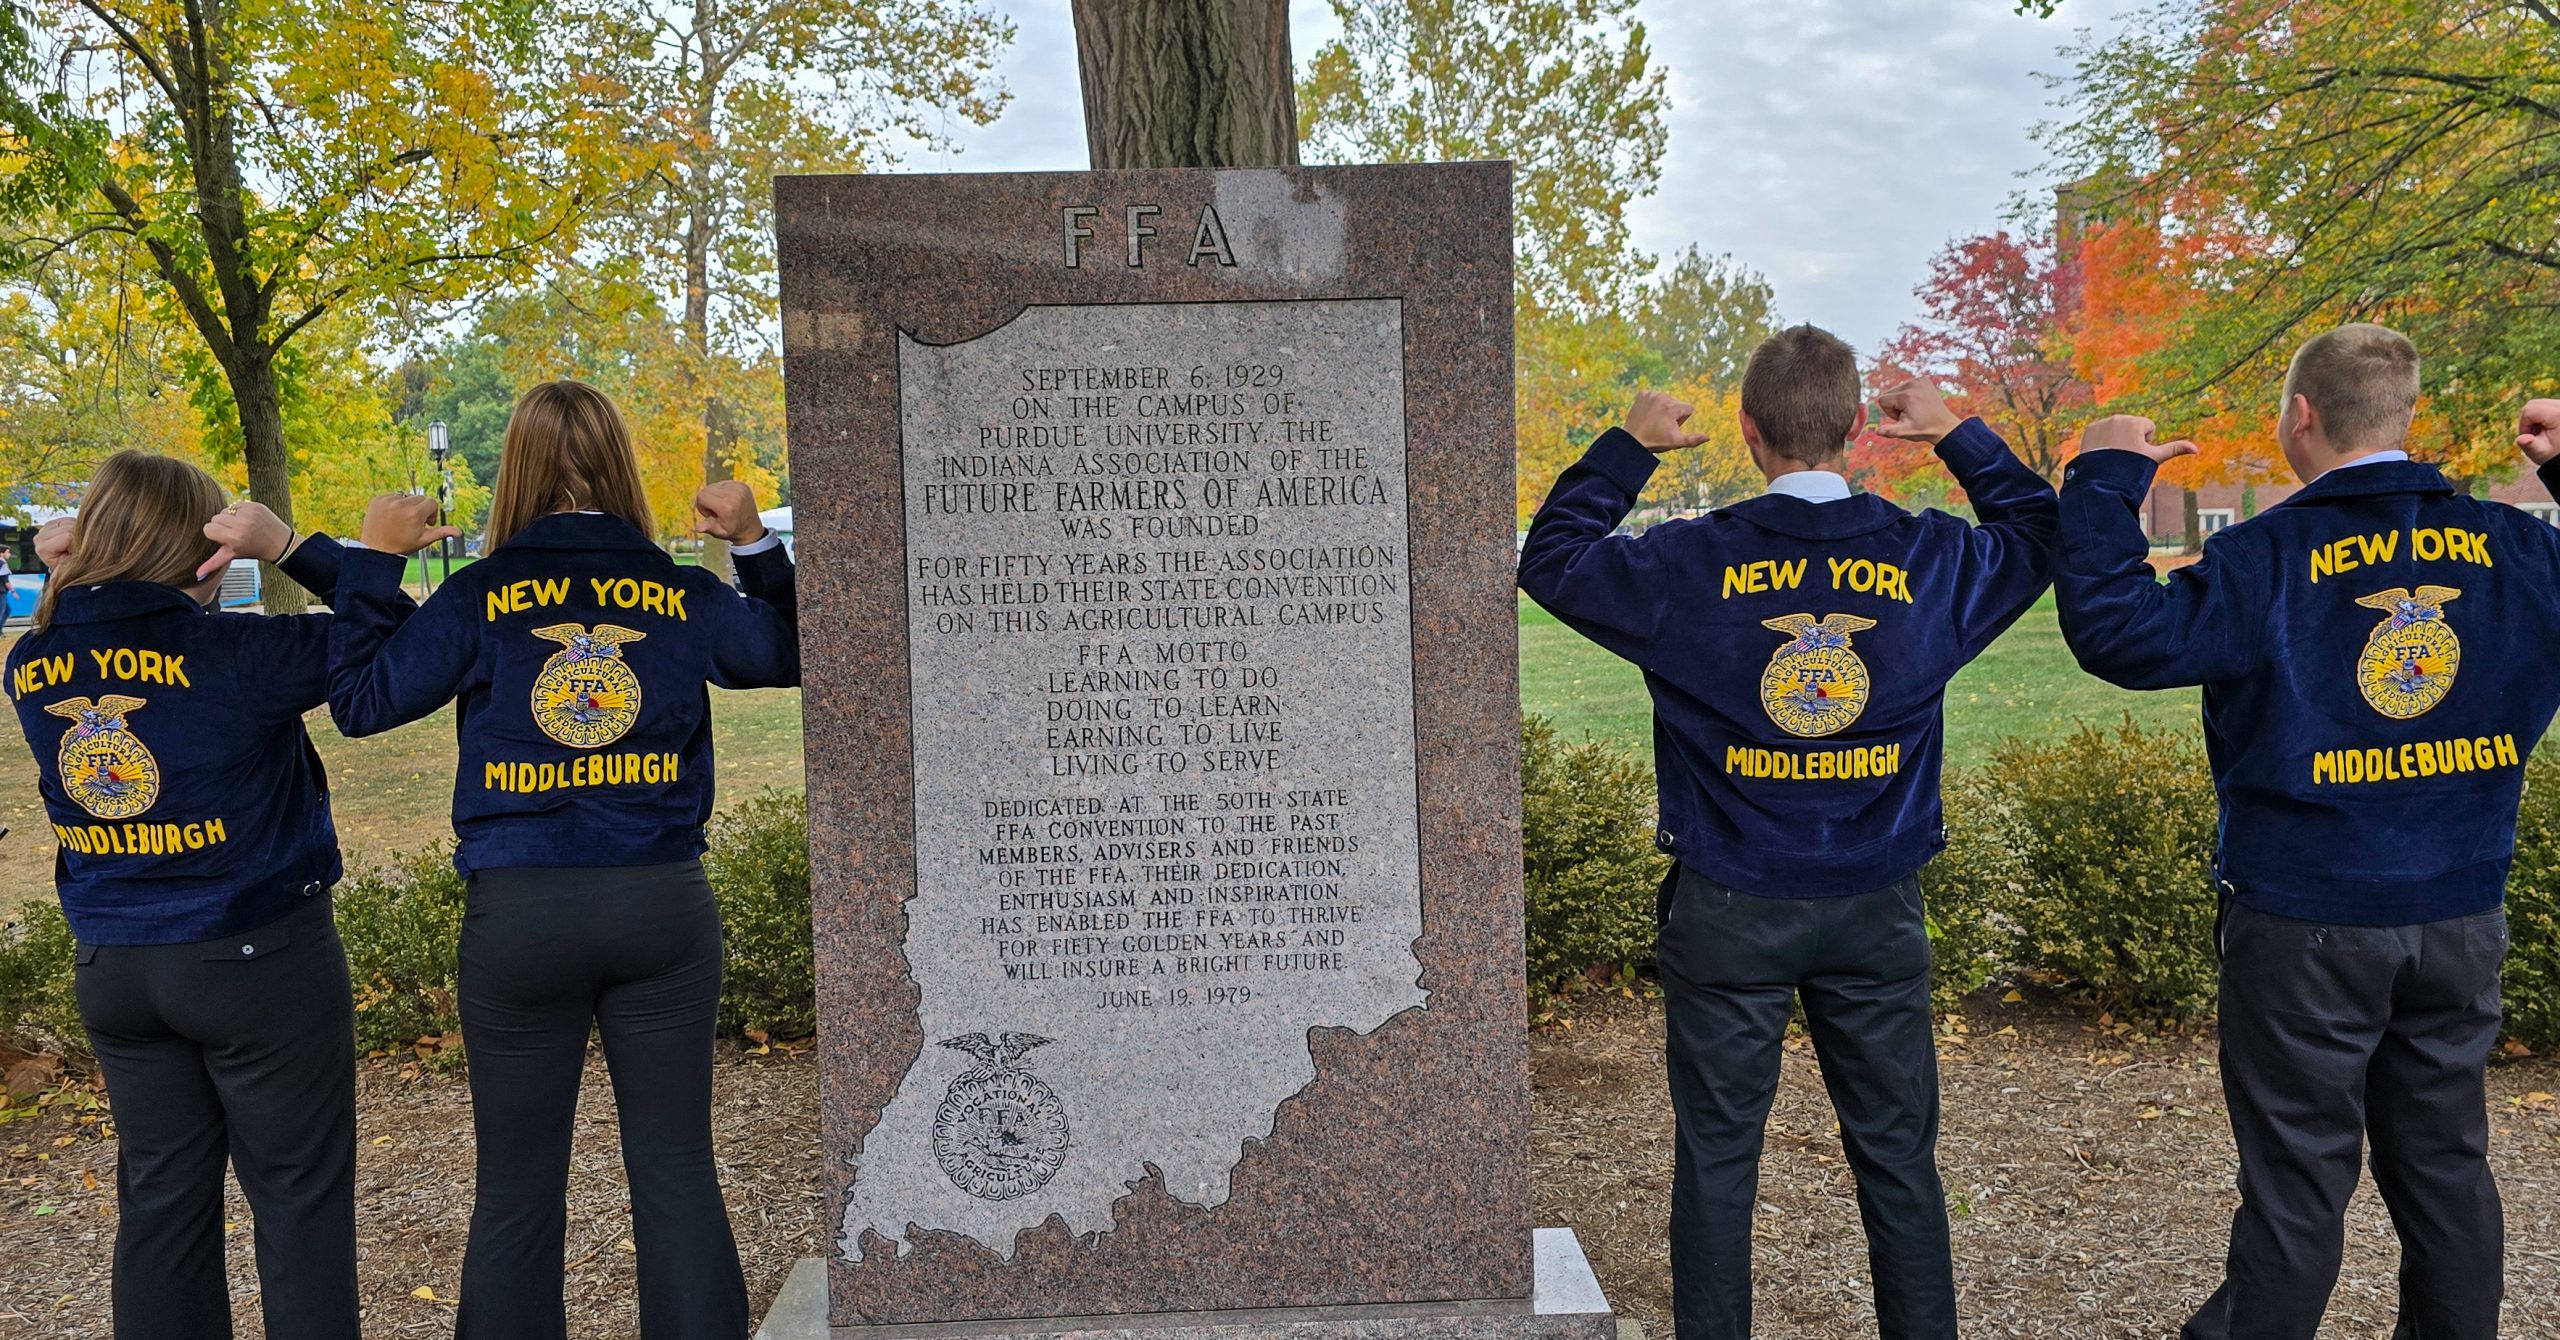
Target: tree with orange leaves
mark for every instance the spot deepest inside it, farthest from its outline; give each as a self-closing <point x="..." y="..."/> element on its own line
<point x="1991" y="334"/>
<point x="2135" y="295"/>
<point x="2318" y="164"/>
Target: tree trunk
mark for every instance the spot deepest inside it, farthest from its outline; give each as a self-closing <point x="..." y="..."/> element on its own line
<point x="253" y="390"/>
<point x="2195" y="523"/>
<point x="1187" y="83"/>
<point x="719" y="438"/>
<point x="719" y="433"/>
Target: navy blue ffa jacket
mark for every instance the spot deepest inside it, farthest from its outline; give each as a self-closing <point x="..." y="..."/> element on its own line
<point x="1797" y="653"/>
<point x="580" y="655"/>
<point x="185" y="796"/>
<point x="2375" y="655"/>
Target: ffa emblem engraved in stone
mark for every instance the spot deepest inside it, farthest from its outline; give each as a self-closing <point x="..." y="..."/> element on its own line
<point x="586" y="696"/>
<point x="1001" y="1132"/>
<point x="2409" y="659"/>
<point x="1815" y="684"/>
<point x="106" y="770"/>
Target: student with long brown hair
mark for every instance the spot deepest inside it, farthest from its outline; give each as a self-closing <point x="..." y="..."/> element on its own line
<point x="580" y="655"/>
<point x="197" y="855"/>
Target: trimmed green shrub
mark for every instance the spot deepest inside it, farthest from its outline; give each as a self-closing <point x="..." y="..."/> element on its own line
<point x="1591" y="870"/>
<point x="1973" y="888"/>
<point x="2114" y="832"/>
<point x="402" y="925"/>
<point x="2090" y="858"/>
<point x="759" y="865"/>
<point x="38" y="1009"/>
<point x="2533" y="908"/>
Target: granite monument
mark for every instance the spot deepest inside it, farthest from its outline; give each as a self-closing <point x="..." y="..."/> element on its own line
<point x="1156" y="532"/>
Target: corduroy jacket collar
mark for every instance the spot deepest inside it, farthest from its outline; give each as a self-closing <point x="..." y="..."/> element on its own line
<point x="119" y="600"/>
<point x="578" y="530"/>
<point x="2365" y="481"/>
<point x="1860" y="514"/>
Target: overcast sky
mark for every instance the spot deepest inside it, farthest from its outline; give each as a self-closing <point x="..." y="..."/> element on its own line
<point x="1831" y="144"/>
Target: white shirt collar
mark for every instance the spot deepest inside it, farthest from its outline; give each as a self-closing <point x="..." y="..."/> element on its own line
<point x="2376" y="458"/>
<point x="1814" y="486"/>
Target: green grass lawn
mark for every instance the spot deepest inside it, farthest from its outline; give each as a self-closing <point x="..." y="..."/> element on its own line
<point x="2025" y="686"/>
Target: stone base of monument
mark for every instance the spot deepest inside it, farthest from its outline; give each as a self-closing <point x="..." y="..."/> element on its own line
<point x="1567" y="1305"/>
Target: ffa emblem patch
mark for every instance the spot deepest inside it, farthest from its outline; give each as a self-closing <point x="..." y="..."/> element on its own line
<point x="106" y="770"/>
<point x="586" y="696"/>
<point x="2409" y="658"/>
<point x="1001" y="1132"/>
<point x="1814" y="684"/>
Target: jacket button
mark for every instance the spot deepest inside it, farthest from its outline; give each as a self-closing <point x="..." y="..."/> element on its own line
<point x="247" y="950"/>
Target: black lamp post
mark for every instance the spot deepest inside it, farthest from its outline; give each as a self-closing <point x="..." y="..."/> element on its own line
<point x="439" y="447"/>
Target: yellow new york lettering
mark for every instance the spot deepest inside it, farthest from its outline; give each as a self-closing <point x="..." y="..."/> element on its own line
<point x="1764" y="575"/>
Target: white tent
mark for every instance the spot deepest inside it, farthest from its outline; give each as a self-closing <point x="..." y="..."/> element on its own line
<point x="778" y="520"/>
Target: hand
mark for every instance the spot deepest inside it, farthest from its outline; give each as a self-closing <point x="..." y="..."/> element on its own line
<point x="727" y="511"/>
<point x="2538" y="431"/>
<point x="1657" y="420"/>
<point x="2132" y="432"/>
<point x="403" y="523"/>
<point x="53" y="541"/>
<point x="1915" y="411"/>
<point x="244" y="530"/>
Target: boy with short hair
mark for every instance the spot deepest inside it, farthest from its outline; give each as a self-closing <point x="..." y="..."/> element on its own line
<point x="2372" y="652"/>
<point x="1797" y="646"/>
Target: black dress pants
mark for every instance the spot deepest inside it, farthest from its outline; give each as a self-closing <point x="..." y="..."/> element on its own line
<point x="633" y="953"/>
<point x="242" y="1050"/>
<point x="1732" y="967"/>
<point x="2333" y="1036"/>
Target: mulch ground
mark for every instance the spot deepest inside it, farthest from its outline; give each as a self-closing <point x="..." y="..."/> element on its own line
<point x="2088" y="1162"/>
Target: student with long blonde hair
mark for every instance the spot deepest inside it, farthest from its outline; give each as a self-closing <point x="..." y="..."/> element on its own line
<point x="197" y="855"/>
<point x="580" y="655"/>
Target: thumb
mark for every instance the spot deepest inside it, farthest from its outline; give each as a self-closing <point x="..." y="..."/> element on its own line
<point x="436" y="533"/>
<point x="2182" y="447"/>
<point x="221" y="559"/>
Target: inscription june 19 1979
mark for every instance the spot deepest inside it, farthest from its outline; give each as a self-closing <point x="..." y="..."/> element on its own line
<point x="1165" y="811"/>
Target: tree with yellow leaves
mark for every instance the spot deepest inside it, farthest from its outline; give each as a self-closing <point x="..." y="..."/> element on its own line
<point x="276" y="162"/>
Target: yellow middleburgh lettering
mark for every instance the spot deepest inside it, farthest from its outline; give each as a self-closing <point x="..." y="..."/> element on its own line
<point x="2414" y="760"/>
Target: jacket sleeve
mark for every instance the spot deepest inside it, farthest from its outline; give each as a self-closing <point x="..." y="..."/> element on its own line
<point x="313" y="565"/>
<point x="1610" y="588"/>
<point x="288" y="672"/>
<point x="2123" y="624"/>
<point x="2008" y="558"/>
<point x="392" y="661"/>
<point x="770" y="577"/>
<point x="755" y="637"/>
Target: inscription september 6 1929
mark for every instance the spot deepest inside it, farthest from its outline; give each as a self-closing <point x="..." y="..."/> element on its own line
<point x="1165" y="812"/>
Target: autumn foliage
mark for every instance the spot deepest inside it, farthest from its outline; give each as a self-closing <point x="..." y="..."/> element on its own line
<point x="2136" y="297"/>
